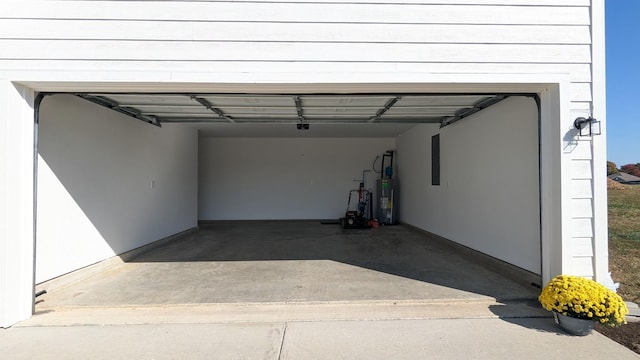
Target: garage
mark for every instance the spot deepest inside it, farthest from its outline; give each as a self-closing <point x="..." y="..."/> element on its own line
<point x="258" y="174"/>
<point x="131" y="127"/>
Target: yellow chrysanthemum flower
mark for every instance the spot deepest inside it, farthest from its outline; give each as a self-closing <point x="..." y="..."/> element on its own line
<point x="584" y="299"/>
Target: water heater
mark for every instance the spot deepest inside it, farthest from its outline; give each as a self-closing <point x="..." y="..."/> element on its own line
<point x="387" y="201"/>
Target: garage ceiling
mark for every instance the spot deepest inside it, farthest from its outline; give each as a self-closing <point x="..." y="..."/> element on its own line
<point x="369" y="115"/>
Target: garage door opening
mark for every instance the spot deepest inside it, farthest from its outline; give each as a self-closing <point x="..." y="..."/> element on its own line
<point x="108" y="184"/>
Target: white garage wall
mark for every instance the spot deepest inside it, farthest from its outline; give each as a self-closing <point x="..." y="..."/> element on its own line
<point x="488" y="199"/>
<point x="16" y="203"/>
<point x="282" y="178"/>
<point x="107" y="184"/>
<point x="335" y="42"/>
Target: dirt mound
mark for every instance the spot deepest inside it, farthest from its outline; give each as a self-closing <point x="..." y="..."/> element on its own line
<point x="614" y="185"/>
<point x="627" y="335"/>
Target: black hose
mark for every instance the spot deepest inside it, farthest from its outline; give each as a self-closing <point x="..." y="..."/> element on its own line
<point x="373" y="166"/>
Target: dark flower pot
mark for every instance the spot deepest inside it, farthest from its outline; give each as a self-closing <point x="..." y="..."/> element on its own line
<point x="574" y="326"/>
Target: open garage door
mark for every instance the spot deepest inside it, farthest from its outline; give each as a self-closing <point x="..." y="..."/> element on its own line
<point x="224" y="156"/>
<point x="301" y="109"/>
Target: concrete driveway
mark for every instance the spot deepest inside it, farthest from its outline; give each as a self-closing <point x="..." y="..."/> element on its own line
<point x="299" y="290"/>
<point x="475" y="336"/>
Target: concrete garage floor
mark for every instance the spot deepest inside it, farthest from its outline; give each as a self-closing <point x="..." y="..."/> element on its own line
<point x="292" y="261"/>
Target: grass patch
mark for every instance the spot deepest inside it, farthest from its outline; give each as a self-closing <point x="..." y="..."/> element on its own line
<point x="624" y="240"/>
<point x="624" y="255"/>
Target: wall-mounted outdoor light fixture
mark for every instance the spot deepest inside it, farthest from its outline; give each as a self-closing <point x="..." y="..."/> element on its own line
<point x="587" y="126"/>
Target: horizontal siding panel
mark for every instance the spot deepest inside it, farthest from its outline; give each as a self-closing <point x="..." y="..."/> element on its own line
<point x="578" y="71"/>
<point x="296" y="12"/>
<point x="582" y="227"/>
<point x="293" y="32"/>
<point x="582" y="247"/>
<point x="580" y="107"/>
<point x="580" y="92"/>
<point x="201" y="66"/>
<point x="447" y="2"/>
<point x="581" y="189"/>
<point x="582" y="151"/>
<point x="580" y="112"/>
<point x="582" y="208"/>
<point x="138" y="50"/>
<point x="581" y="169"/>
<point x="582" y="266"/>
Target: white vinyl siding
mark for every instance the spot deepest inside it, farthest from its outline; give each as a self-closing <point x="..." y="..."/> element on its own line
<point x="308" y="12"/>
<point x="498" y="36"/>
<point x="280" y="32"/>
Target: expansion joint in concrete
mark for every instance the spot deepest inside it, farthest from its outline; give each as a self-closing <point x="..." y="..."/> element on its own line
<point x="284" y="334"/>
